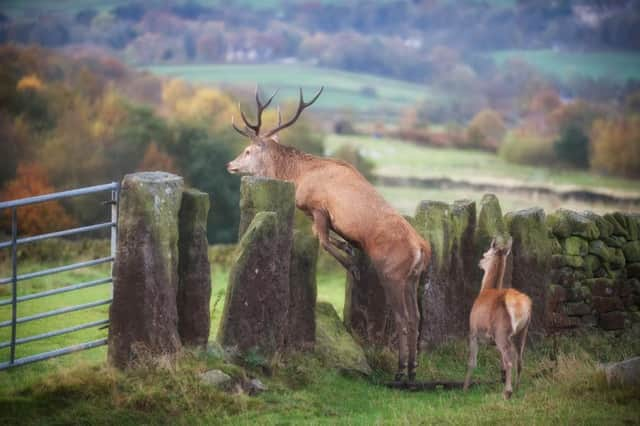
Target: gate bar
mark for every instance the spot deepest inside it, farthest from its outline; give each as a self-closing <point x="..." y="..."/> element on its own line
<point x="55" y="333"/>
<point x="58" y="195"/>
<point x="55" y="312"/>
<point x="58" y="269"/>
<point x="60" y="290"/>
<point x="54" y="353"/>
<point x="56" y="234"/>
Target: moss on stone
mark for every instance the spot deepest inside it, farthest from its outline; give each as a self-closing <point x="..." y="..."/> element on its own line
<point x="564" y="223"/>
<point x="527" y="227"/>
<point x="432" y="222"/>
<point x="575" y="246"/>
<point x="334" y="345"/>
<point x="603" y="225"/>
<point x="262" y="194"/>
<point x="631" y="251"/>
<point x="602" y="250"/>
<point x="618" y="222"/>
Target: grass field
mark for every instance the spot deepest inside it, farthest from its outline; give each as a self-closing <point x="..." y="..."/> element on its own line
<point x="567" y="65"/>
<point x="80" y="389"/>
<point x="398" y="158"/>
<point x="342" y="89"/>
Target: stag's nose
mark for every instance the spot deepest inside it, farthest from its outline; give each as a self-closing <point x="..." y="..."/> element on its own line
<point x="231" y="169"/>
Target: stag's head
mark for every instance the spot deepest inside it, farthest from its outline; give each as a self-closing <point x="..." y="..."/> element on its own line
<point x="496" y="252"/>
<point x="255" y="158"/>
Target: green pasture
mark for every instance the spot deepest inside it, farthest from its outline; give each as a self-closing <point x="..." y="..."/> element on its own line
<point x="343" y="90"/>
<point x="568" y="65"/>
<point x="81" y="389"/>
<point x="397" y="158"/>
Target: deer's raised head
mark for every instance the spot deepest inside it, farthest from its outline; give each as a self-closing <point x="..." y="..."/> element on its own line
<point x="255" y="159"/>
<point x="495" y="253"/>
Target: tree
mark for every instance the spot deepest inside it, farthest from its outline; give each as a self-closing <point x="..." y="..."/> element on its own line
<point x="616" y="146"/>
<point x="202" y="157"/>
<point x="31" y="179"/>
<point x="486" y="130"/>
<point x="574" y="121"/>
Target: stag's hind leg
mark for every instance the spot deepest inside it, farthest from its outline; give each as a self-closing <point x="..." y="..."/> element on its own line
<point x="396" y="299"/>
<point x="411" y="300"/>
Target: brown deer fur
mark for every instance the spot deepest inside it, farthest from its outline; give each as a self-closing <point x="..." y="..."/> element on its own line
<point x="500" y="315"/>
<point x="340" y="200"/>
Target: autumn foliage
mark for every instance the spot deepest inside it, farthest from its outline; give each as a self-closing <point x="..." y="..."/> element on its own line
<point x="616" y="146"/>
<point x="31" y="180"/>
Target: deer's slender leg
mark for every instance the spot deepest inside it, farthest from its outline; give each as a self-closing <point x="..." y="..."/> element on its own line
<point x="411" y="299"/>
<point x="473" y="358"/>
<point x="321" y="229"/>
<point x="507" y="351"/>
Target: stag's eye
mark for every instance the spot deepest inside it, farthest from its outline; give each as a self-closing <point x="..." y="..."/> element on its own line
<point x="246" y="152"/>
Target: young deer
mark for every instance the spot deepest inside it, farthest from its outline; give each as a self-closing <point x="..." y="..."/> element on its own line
<point x="340" y="200"/>
<point x="499" y="315"/>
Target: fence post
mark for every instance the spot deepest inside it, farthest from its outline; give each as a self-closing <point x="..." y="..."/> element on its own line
<point x="14" y="281"/>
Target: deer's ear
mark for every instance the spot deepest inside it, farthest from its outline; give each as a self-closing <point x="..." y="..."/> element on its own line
<point x="508" y="246"/>
<point x="493" y="243"/>
<point x="276" y="138"/>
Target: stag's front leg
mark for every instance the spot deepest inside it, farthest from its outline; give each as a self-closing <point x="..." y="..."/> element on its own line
<point x="342" y="245"/>
<point x="321" y="229"/>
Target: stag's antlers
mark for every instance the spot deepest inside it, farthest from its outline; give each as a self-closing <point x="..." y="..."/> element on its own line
<point x="261" y="107"/>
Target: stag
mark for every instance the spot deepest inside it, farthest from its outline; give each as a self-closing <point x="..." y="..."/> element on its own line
<point x="499" y="315"/>
<point x="347" y="212"/>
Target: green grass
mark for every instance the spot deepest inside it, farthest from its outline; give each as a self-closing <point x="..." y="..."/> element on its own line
<point x="342" y="89"/>
<point x="80" y="388"/>
<point x="566" y="65"/>
<point x="398" y="158"/>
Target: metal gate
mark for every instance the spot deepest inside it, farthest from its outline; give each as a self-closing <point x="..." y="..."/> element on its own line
<point x="14" y="279"/>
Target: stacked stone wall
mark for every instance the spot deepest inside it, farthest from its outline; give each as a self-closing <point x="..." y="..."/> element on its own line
<point x="595" y="279"/>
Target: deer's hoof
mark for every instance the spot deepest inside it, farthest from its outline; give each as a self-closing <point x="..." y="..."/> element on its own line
<point x="411" y="376"/>
<point x="507" y="395"/>
<point x="399" y="376"/>
<point x="355" y="272"/>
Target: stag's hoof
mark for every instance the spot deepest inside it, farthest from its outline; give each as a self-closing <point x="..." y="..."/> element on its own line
<point x="355" y="272"/>
<point x="399" y="376"/>
<point x="411" y="376"/>
<point x="507" y="395"/>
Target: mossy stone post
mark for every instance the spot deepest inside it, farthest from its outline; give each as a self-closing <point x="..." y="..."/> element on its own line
<point x="256" y="312"/>
<point x="446" y="294"/>
<point x="143" y="314"/>
<point x="303" y="290"/>
<point x="194" y="270"/>
<point x="531" y="253"/>
<point x="490" y="225"/>
<point x="367" y="315"/>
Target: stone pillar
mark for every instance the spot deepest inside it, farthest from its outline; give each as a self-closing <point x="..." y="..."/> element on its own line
<point x="490" y="225"/>
<point x="194" y="271"/>
<point x="531" y="253"/>
<point x="446" y="294"/>
<point x="256" y="310"/>
<point x="143" y="313"/>
<point x="302" y="290"/>
<point x="367" y="315"/>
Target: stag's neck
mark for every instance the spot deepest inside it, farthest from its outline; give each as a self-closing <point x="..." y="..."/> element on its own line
<point x="494" y="275"/>
<point x="290" y="164"/>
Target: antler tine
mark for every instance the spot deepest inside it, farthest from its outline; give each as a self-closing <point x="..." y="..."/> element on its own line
<point x="279" y="115"/>
<point x="237" y="129"/>
<point x="261" y="108"/>
<point x="301" y="106"/>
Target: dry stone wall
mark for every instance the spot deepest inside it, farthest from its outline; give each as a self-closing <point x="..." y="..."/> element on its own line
<point x="595" y="278"/>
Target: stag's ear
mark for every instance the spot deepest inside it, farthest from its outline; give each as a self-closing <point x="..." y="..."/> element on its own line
<point x="493" y="244"/>
<point x="276" y="138"/>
